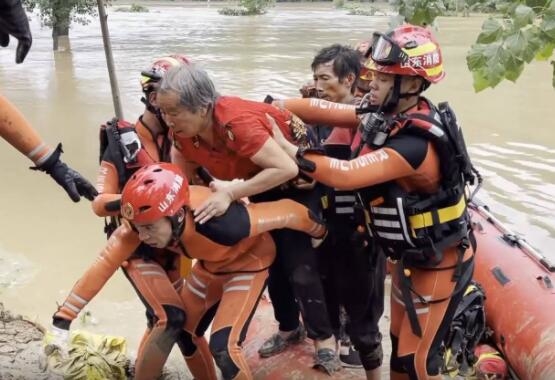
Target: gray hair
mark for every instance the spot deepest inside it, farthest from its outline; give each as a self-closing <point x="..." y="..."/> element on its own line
<point x="193" y="86"/>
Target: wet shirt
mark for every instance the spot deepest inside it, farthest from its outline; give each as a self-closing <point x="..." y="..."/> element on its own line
<point x="240" y="130"/>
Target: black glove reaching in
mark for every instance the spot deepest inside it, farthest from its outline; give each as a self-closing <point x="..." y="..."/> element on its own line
<point x="13" y="20"/>
<point x="73" y="183"/>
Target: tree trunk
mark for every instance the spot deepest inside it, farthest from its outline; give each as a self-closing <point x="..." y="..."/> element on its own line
<point x="60" y="30"/>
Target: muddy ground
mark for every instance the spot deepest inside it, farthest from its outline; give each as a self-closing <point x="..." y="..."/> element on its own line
<point x="20" y="348"/>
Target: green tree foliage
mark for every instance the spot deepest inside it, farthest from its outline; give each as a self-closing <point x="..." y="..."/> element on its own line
<point x="256" y="7"/>
<point x="522" y="30"/>
<point x="59" y="14"/>
<point x="420" y="12"/>
<point x="505" y="45"/>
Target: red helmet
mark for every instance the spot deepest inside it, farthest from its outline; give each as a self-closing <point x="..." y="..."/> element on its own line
<point x="490" y="364"/>
<point x="159" y="67"/>
<point x="407" y="50"/>
<point x="363" y="48"/>
<point x="153" y="192"/>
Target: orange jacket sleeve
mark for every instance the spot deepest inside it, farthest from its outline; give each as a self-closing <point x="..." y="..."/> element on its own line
<point x="319" y="111"/>
<point x="123" y="242"/>
<point x="107" y="184"/>
<point x="380" y="166"/>
<point x="284" y="213"/>
<point x="19" y="133"/>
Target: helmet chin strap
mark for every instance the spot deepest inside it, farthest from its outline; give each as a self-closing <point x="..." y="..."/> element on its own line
<point x="155" y="111"/>
<point x="392" y="100"/>
<point x="177" y="222"/>
<point x="147" y="104"/>
<point x="161" y="120"/>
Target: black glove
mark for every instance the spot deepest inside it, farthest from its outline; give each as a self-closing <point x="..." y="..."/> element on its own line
<point x="73" y="183"/>
<point x="304" y="164"/>
<point x="113" y="205"/>
<point x="13" y="20"/>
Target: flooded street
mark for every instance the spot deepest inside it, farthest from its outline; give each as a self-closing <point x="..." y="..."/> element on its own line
<point x="46" y="241"/>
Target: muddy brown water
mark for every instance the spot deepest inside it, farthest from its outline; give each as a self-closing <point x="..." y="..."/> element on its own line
<point x="47" y="241"/>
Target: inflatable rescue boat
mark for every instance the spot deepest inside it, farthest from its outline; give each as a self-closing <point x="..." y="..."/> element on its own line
<point x="520" y="296"/>
<point x="519" y="284"/>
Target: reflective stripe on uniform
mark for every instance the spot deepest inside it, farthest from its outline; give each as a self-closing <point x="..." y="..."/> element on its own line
<point x="384" y="210"/>
<point x="390" y="235"/>
<point x="445" y="215"/>
<point x="345" y="198"/>
<point x="386" y="223"/>
<point x="195" y="291"/>
<point x="237" y="288"/>
<point x="344" y="210"/>
<point x="403" y="221"/>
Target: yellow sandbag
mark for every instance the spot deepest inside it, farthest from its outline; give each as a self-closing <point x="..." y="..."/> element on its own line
<point x="90" y="357"/>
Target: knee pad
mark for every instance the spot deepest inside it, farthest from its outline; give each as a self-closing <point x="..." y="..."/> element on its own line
<point x="395" y="363"/>
<point x="186" y="344"/>
<point x="218" y="347"/>
<point x="175" y="318"/>
<point x="404" y="364"/>
<point x="150" y="318"/>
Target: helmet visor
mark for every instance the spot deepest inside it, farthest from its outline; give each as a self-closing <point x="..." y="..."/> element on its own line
<point x="150" y="75"/>
<point x="385" y="51"/>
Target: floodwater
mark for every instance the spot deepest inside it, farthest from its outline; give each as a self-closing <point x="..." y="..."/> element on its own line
<point x="47" y="241"/>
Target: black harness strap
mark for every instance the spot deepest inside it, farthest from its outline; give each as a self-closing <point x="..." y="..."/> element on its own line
<point x="114" y="148"/>
<point x="407" y="289"/>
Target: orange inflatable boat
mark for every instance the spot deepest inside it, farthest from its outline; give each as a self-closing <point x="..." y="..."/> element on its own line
<point x="520" y="308"/>
<point x="520" y="296"/>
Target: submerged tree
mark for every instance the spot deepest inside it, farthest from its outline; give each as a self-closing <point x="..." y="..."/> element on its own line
<point x="247" y="8"/>
<point x="522" y="31"/>
<point x="59" y="14"/>
<point x="256" y="6"/>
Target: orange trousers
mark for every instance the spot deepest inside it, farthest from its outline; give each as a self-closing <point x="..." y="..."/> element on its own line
<point x="228" y="301"/>
<point x="154" y="284"/>
<point x="436" y="295"/>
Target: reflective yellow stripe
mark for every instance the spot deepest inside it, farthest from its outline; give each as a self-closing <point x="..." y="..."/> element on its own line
<point x="490" y="355"/>
<point x="446" y="214"/>
<point x="426" y="48"/>
<point x="434" y="70"/>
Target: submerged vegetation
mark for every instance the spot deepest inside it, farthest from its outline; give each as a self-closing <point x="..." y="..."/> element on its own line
<point x="361" y="11"/>
<point x="134" y="8"/>
<point x="247" y="8"/>
<point x="516" y="33"/>
<point x="59" y="15"/>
